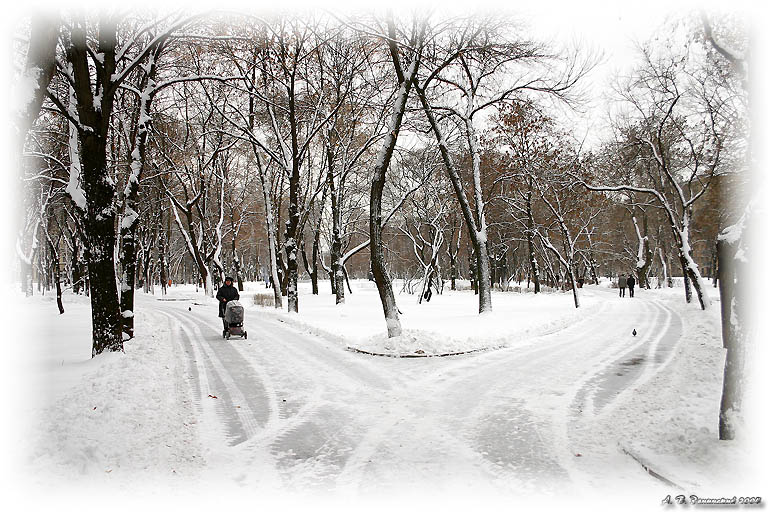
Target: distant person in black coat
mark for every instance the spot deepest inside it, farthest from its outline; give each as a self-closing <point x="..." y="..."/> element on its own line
<point x="225" y="294"/>
<point x="631" y="285"/>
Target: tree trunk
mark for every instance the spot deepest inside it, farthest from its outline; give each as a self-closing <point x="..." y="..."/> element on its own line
<point x="476" y="228"/>
<point x="483" y="277"/>
<point x="99" y="223"/>
<point x="574" y="288"/>
<point x="129" y="222"/>
<point x="332" y="280"/>
<point x="315" y="254"/>
<point x="292" y="224"/>
<point x="454" y="270"/>
<point x="472" y="271"/>
<point x="78" y="274"/>
<point x="664" y="257"/>
<point x="529" y="238"/>
<point x="266" y="187"/>
<point x="56" y="272"/>
<point x="694" y="278"/>
<point x="691" y="273"/>
<point x="236" y="263"/>
<point x="346" y="279"/>
<point x="593" y="269"/>
<point x="733" y="333"/>
<point x="147" y="259"/>
<point x="281" y="270"/>
<point x="128" y="281"/>
<point x="644" y="254"/>
<point x="380" y="275"/>
<point x="337" y="272"/>
<point x="161" y="249"/>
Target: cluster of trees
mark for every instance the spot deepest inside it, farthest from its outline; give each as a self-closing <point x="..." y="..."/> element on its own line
<point x="185" y="147"/>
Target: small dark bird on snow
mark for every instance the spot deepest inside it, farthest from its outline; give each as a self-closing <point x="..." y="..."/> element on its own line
<point x="634" y="332"/>
<point x="190" y="308"/>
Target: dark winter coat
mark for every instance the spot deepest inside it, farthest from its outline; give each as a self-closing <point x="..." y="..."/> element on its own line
<point x="631" y="282"/>
<point x="622" y="282"/>
<point x="225" y="294"/>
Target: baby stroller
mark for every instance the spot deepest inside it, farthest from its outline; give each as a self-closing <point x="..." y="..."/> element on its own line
<point x="233" y="320"/>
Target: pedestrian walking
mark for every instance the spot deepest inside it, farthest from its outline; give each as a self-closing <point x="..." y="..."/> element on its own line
<point x="226" y="293"/>
<point x="631" y="285"/>
<point x="622" y="285"/>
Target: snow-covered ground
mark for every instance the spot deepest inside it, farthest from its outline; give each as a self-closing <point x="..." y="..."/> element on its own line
<point x="447" y="324"/>
<point x="559" y="412"/>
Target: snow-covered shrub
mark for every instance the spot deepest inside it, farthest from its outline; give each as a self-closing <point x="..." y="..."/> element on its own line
<point x="265" y="300"/>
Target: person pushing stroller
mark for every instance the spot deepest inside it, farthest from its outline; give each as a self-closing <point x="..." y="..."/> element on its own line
<point x="226" y="293"/>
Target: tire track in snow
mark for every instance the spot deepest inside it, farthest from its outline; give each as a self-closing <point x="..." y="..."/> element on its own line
<point x="492" y="388"/>
<point x="344" y="365"/>
<point x="656" y="360"/>
<point x="586" y="389"/>
<point x="241" y="398"/>
<point x="465" y="403"/>
<point x="460" y="381"/>
<point x="286" y="417"/>
<point x="241" y="365"/>
<point x="283" y="426"/>
<point x="326" y="434"/>
<point x="601" y="378"/>
<point x="211" y="429"/>
<point x="243" y="391"/>
<point x="319" y="433"/>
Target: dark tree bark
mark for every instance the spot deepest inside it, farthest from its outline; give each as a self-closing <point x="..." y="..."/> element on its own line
<point x="56" y="271"/>
<point x="380" y="275"/>
<point x="130" y="221"/>
<point x="475" y="227"/>
<point x="337" y="274"/>
<point x="529" y="238"/>
<point x="315" y="255"/>
<point x="162" y="256"/>
<point x="100" y="215"/>
<point x="291" y="232"/>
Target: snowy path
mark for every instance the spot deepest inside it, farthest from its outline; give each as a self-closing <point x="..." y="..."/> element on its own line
<point x="294" y="409"/>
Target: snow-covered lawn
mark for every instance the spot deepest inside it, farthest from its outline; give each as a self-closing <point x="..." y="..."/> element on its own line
<point x="447" y="324"/>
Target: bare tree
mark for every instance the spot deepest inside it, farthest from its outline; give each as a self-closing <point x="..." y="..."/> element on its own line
<point x="96" y="65"/>
<point x="469" y="66"/>
<point x="405" y="51"/>
<point x="683" y="140"/>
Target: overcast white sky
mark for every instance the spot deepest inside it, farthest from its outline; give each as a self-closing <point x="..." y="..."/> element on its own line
<point x="613" y="29"/>
<point x="610" y="28"/>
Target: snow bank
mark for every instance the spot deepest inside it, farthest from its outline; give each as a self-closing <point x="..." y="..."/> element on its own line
<point x="111" y="423"/>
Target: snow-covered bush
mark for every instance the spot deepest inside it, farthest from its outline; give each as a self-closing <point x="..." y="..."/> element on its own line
<point x="264" y="300"/>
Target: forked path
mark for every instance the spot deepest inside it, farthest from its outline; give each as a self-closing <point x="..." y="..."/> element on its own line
<point x="284" y="408"/>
